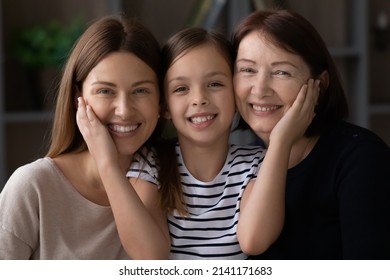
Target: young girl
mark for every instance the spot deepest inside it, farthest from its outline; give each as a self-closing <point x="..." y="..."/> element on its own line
<point x="216" y="209"/>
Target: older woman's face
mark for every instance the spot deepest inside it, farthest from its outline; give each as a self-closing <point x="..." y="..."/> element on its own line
<point x="267" y="80"/>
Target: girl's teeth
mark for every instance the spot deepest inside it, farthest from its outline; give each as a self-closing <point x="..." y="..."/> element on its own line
<point x="198" y="120"/>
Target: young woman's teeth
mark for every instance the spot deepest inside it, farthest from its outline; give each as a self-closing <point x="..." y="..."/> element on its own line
<point x="265" y="109"/>
<point x="199" y="120"/>
<point x="123" y="129"/>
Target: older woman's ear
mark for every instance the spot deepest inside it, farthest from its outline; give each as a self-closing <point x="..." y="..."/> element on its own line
<point x="324" y="80"/>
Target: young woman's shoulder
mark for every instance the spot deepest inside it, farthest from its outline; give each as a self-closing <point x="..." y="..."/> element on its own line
<point x="29" y="186"/>
<point x="40" y="170"/>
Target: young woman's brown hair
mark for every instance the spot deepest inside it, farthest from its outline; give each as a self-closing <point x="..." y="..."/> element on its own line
<point x="108" y="35"/>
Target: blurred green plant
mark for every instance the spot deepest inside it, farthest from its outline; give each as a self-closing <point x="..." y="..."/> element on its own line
<point x="45" y="45"/>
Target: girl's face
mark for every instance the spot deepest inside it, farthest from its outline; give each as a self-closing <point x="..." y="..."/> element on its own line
<point x="199" y="93"/>
<point x="267" y="80"/>
<point x="123" y="92"/>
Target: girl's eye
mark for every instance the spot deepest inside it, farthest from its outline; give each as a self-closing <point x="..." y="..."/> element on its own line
<point x="180" y="89"/>
<point x="215" y="84"/>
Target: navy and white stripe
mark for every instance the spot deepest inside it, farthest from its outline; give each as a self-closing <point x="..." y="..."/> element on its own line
<point x="209" y="231"/>
<point x="144" y="166"/>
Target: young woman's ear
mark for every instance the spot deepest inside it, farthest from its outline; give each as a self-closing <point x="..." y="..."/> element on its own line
<point x="76" y="96"/>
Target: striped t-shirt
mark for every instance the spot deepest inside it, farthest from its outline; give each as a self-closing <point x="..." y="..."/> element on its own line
<point x="209" y="231"/>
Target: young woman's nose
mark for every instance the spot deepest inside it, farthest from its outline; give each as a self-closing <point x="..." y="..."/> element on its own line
<point x="123" y="106"/>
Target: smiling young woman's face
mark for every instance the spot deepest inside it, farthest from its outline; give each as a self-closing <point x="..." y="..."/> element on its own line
<point x="124" y="94"/>
<point x="267" y="80"/>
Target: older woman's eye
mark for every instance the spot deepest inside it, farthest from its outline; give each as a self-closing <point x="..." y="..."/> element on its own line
<point x="282" y="73"/>
<point x="246" y="70"/>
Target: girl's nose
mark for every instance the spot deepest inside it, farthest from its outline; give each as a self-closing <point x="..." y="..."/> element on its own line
<point x="200" y="98"/>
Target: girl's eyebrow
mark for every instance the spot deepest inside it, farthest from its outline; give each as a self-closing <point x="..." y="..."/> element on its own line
<point x="217" y="73"/>
<point x="211" y="74"/>
<point x="178" y="78"/>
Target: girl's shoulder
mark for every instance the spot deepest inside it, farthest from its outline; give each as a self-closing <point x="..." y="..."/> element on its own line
<point x="245" y="154"/>
<point x="144" y="165"/>
<point x="247" y="150"/>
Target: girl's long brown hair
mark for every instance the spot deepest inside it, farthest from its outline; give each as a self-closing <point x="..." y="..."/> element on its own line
<point x="183" y="41"/>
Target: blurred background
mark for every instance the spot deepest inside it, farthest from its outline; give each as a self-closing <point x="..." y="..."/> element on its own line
<point x="35" y="37"/>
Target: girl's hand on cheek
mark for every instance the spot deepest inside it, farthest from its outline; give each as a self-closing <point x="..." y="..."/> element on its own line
<point x="299" y="116"/>
<point x="95" y="134"/>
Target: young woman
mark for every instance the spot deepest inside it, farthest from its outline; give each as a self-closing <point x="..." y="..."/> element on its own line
<point x="57" y="207"/>
<point x="337" y="190"/>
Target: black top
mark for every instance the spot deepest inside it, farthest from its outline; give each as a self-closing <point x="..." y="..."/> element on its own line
<point x="338" y="200"/>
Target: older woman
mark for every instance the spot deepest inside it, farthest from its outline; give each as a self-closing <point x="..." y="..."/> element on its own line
<point x="337" y="189"/>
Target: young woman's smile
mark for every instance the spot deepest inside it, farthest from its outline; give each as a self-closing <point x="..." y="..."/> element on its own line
<point x="124" y="94"/>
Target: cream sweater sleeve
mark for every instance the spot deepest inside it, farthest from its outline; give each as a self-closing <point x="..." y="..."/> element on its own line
<point x="19" y="212"/>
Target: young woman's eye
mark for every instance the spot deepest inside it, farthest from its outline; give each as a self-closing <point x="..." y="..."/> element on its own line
<point x="141" y="91"/>
<point x="104" y="91"/>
